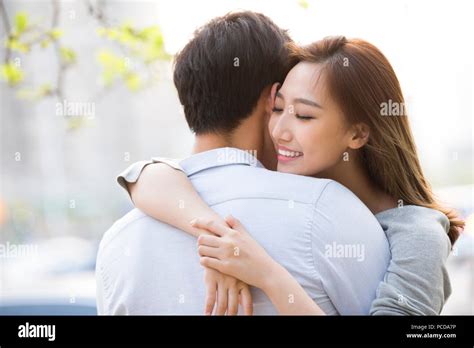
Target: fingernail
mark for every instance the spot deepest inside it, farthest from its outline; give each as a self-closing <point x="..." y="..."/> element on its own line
<point x="192" y="222"/>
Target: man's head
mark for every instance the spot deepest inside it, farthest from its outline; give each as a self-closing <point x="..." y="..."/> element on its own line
<point x="221" y="73"/>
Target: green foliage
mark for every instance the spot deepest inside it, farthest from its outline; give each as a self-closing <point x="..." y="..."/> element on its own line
<point x="21" y="39"/>
<point x="23" y="35"/>
<point x="68" y="56"/>
<point x="16" y="45"/>
<point x="133" y="81"/>
<point x="143" y="46"/>
<point x="145" y="43"/>
<point x="21" y="22"/>
<point x="44" y="43"/>
<point x="303" y="3"/>
<point x="55" y="33"/>
<point x="11" y="73"/>
<point x="35" y="93"/>
<point x="75" y="123"/>
<point x="117" y="68"/>
<point x="113" y="66"/>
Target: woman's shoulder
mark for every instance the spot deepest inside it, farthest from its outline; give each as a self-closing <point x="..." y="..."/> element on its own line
<point x="417" y="225"/>
<point x="413" y="215"/>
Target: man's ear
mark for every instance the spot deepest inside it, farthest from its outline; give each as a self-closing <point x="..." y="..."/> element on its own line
<point x="271" y="97"/>
<point x="359" y="135"/>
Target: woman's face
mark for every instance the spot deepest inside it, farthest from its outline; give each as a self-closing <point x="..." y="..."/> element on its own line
<point x="306" y="126"/>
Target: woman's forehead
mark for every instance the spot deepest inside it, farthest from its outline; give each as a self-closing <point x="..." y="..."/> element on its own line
<point x="305" y="79"/>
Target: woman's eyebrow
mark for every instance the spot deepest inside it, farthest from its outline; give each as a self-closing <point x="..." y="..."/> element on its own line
<point x="300" y="100"/>
<point x="308" y="102"/>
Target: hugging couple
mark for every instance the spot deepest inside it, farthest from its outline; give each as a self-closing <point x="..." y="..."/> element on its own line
<point x="299" y="196"/>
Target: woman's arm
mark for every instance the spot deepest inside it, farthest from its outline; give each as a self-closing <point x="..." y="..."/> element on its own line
<point x="167" y="194"/>
<point x="416" y="281"/>
<point x="287" y="295"/>
<point x="233" y="251"/>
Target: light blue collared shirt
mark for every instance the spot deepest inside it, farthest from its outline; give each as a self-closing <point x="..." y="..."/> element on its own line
<point x="316" y="228"/>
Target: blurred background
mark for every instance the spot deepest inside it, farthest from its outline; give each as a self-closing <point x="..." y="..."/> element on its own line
<point x="86" y="89"/>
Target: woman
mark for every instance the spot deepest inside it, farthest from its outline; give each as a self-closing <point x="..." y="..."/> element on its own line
<point x="330" y="120"/>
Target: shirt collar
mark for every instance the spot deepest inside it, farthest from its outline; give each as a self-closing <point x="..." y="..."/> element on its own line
<point x="219" y="157"/>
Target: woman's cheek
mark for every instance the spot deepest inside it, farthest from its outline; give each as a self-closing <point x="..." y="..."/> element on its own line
<point x="317" y="151"/>
<point x="271" y="126"/>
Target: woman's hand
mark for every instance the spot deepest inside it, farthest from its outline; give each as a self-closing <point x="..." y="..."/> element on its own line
<point x="227" y="292"/>
<point x="231" y="250"/>
<point x="234" y="252"/>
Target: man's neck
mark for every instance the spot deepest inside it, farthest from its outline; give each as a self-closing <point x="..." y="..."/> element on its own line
<point x="207" y="142"/>
<point x="248" y="136"/>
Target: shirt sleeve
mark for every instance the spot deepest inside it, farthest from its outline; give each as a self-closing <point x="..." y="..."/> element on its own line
<point x="100" y="295"/>
<point x="416" y="281"/>
<point x="132" y="173"/>
<point x="101" y="290"/>
<point x="350" y="250"/>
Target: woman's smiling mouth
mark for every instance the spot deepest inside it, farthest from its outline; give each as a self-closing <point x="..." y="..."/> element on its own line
<point x="287" y="155"/>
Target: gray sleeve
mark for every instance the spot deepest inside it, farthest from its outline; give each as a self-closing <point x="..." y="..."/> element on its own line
<point x="132" y="173"/>
<point x="416" y="281"/>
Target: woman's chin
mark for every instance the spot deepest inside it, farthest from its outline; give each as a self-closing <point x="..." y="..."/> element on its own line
<point x="293" y="168"/>
<point x="289" y="169"/>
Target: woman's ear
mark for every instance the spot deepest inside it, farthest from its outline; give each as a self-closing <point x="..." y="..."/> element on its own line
<point x="359" y="135"/>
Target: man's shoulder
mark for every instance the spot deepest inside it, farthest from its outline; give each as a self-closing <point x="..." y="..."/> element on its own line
<point x="134" y="218"/>
<point x="269" y="183"/>
<point x="303" y="188"/>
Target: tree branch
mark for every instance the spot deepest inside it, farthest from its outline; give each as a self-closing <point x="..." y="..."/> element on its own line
<point x="6" y="24"/>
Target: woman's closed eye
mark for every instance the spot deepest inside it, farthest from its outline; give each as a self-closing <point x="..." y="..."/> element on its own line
<point x="277" y="110"/>
<point x="304" y="118"/>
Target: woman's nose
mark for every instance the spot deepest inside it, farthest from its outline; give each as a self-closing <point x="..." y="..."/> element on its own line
<point x="281" y="130"/>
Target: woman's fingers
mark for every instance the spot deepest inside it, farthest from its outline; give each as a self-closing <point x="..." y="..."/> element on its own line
<point x="233" y="301"/>
<point x="235" y="224"/>
<point x="208" y="251"/>
<point x="211" y="288"/>
<point x="211" y="263"/>
<point x="221" y="301"/>
<point x="211" y="226"/>
<point x="208" y="240"/>
<point x="246" y="300"/>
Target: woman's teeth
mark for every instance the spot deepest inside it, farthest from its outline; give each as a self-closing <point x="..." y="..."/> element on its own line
<point x="290" y="153"/>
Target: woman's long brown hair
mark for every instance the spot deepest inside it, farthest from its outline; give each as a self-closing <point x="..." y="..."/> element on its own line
<point x="361" y="81"/>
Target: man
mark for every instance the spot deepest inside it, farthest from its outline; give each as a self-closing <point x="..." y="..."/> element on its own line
<point x="223" y="77"/>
